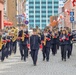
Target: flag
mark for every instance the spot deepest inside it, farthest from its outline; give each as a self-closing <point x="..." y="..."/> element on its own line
<point x="74" y="3"/>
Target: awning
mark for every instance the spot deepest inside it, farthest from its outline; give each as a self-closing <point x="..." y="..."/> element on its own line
<point x="7" y="23"/>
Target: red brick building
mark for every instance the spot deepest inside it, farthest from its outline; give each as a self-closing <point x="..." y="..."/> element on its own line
<point x="1" y="13"/>
<point x="69" y="6"/>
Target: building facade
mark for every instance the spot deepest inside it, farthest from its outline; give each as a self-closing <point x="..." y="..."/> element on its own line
<point x="20" y="11"/>
<point x="38" y="12"/>
<point x="69" y="6"/>
<point x="12" y="11"/>
<point x="1" y="13"/>
<point x="5" y="10"/>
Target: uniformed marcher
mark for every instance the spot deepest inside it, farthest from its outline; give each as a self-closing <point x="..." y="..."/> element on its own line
<point x="23" y="44"/>
<point x="46" y="41"/>
<point x="4" y="50"/>
<point x="70" y="42"/>
<point x="27" y="40"/>
<point x="14" y="39"/>
<point x="1" y="47"/>
<point x="64" y="42"/>
<point x="34" y="46"/>
<point x="54" y="42"/>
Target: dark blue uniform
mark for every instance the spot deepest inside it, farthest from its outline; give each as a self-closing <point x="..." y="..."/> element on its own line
<point x="54" y="44"/>
<point x="70" y="44"/>
<point x="23" y="46"/>
<point x="34" y="46"/>
<point x="27" y="39"/>
<point x="8" y="45"/>
<point x="64" y="46"/>
<point x="46" y="47"/>
<point x="4" y="49"/>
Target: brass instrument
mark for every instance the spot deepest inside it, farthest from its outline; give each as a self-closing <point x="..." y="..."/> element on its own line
<point x="44" y="40"/>
<point x="1" y="43"/>
<point x="14" y="35"/>
<point x="53" y="34"/>
<point x="23" y="36"/>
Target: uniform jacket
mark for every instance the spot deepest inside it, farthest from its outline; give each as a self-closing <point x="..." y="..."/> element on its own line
<point x="35" y="41"/>
<point x="25" y="40"/>
<point x="64" y="41"/>
<point x="48" y="40"/>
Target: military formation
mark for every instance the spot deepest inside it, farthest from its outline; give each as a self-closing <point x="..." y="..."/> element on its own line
<point x="48" y="40"/>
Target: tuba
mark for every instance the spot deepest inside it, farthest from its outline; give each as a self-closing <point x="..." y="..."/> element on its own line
<point x="14" y="35"/>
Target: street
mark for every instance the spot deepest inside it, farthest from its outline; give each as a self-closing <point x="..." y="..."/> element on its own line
<point x="14" y="66"/>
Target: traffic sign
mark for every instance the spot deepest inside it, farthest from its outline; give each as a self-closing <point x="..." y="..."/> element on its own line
<point x="71" y="13"/>
<point x="26" y="22"/>
<point x="71" y="19"/>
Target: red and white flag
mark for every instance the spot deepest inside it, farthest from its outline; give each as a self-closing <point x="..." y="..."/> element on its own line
<point x="73" y="2"/>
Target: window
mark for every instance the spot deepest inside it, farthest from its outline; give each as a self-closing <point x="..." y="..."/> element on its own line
<point x="55" y="11"/>
<point x="31" y="11"/>
<point x="49" y="11"/>
<point x="44" y="21"/>
<point x="37" y="20"/>
<point x="31" y="20"/>
<point x="43" y="2"/>
<point x="37" y="11"/>
<point x="43" y="15"/>
<point x="49" y="2"/>
<point x="31" y="2"/>
<point x="31" y="7"/>
<point x="37" y="16"/>
<point x="37" y="2"/>
<point x="55" y="6"/>
<point x="31" y="16"/>
<point x="43" y="6"/>
<point x="37" y="6"/>
<point x="55" y="2"/>
<point x="49" y="6"/>
<point x="43" y="11"/>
